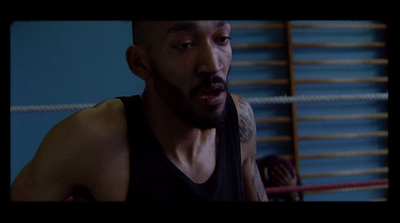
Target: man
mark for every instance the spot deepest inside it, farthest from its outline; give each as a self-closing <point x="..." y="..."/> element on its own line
<point x="185" y="138"/>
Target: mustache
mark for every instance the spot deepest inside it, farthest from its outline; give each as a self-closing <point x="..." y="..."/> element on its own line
<point x="211" y="83"/>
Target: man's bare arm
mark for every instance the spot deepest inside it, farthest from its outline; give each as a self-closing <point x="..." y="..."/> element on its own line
<point x="69" y="156"/>
<point x="254" y="189"/>
<point x="42" y="178"/>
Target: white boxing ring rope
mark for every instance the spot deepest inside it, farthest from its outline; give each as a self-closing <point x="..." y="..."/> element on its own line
<point x="49" y="108"/>
<point x="253" y="101"/>
<point x="319" y="99"/>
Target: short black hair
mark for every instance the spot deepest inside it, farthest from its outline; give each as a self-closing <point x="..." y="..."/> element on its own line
<point x="138" y="32"/>
<point x="133" y="31"/>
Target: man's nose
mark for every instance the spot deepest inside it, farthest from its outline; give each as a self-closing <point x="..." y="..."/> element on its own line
<point x="209" y="60"/>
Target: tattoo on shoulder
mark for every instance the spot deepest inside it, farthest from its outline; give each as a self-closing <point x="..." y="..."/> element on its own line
<point x="246" y="122"/>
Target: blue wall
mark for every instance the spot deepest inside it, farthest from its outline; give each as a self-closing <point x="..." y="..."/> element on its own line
<point x="64" y="62"/>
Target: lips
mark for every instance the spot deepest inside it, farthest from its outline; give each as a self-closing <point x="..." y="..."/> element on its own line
<point x="213" y="95"/>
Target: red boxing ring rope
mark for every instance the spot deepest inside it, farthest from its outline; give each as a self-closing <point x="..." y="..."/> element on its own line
<point x="277" y="190"/>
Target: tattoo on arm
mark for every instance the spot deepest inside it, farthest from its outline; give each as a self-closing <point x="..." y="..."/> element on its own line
<point x="258" y="184"/>
<point x="247" y="123"/>
<point x="248" y="135"/>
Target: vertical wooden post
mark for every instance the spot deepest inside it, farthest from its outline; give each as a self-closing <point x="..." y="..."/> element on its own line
<point x="289" y="45"/>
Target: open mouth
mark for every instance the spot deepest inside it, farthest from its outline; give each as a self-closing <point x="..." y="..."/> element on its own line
<point x="213" y="95"/>
<point x="213" y="90"/>
<point x="210" y="93"/>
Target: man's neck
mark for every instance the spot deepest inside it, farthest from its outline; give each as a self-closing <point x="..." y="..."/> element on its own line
<point x="177" y="139"/>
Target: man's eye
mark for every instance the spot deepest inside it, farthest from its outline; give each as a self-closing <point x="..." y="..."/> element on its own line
<point x="223" y="40"/>
<point x="184" y="46"/>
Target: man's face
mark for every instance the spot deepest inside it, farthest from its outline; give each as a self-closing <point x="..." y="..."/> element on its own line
<point x="189" y="62"/>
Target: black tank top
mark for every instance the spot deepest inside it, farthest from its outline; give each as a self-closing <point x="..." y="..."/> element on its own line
<point x="153" y="177"/>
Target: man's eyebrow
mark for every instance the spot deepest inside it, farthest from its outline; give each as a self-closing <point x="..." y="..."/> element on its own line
<point x="222" y="23"/>
<point x="190" y="27"/>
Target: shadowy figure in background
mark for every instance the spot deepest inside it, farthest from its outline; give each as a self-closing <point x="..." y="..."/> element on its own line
<point x="278" y="172"/>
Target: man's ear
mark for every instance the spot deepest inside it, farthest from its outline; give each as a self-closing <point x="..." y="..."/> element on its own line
<point x="135" y="59"/>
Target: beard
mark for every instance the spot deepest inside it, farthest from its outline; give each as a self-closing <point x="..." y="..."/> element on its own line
<point x="185" y="107"/>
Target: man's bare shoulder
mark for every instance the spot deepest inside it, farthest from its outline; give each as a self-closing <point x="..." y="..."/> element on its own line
<point x="100" y="123"/>
<point x="107" y="116"/>
<point x="74" y="152"/>
<point x="241" y="103"/>
<point x="247" y="125"/>
<point x="246" y="118"/>
<point x="89" y="132"/>
<point x="108" y="111"/>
